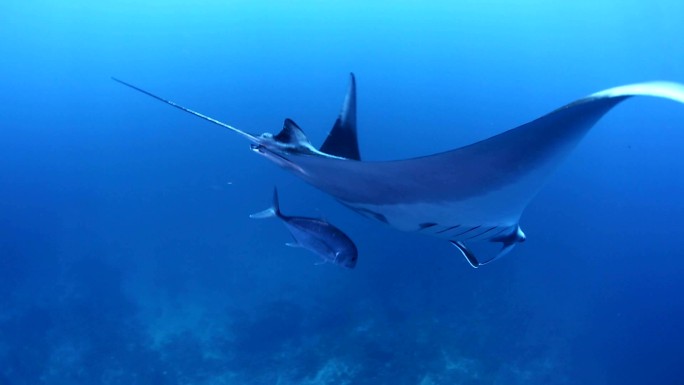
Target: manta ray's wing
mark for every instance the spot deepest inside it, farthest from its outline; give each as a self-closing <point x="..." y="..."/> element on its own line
<point x="476" y="192"/>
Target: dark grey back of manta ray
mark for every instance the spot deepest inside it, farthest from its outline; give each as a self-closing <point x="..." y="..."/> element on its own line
<point x="474" y="193"/>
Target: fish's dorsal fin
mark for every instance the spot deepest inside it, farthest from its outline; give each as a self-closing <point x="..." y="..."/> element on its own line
<point x="342" y="140"/>
<point x="276" y="202"/>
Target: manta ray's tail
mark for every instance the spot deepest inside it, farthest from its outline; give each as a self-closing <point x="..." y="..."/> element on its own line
<point x="189" y="111"/>
<point x="342" y="140"/>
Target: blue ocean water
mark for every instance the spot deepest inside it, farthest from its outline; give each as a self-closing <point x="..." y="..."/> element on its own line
<point x="126" y="251"/>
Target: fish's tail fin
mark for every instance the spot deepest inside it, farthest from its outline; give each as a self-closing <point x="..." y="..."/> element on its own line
<point x="273" y="211"/>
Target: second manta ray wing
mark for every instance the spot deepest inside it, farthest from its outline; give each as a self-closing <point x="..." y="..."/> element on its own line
<point x="474" y="193"/>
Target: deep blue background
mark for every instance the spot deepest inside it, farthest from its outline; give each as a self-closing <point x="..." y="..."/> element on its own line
<point x="126" y="251"/>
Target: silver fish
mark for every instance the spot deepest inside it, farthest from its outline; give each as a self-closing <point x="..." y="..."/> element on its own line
<point x="316" y="235"/>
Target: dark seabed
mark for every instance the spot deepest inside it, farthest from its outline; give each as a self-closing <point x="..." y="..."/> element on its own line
<point x="127" y="255"/>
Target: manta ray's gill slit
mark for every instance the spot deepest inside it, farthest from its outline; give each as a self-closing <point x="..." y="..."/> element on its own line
<point x="499" y="232"/>
<point x="447" y="229"/>
<point x="427" y="225"/>
<point x="467" y="231"/>
<point x="369" y="213"/>
<point x="484" y="232"/>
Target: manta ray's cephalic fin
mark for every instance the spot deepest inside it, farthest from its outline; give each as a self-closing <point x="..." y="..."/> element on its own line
<point x="342" y="140"/>
<point x="292" y="135"/>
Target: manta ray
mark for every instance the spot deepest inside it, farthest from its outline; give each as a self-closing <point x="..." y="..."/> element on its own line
<point x="475" y="193"/>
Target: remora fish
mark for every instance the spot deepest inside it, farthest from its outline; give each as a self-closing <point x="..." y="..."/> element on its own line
<point x="316" y="235"/>
<point x="473" y="193"/>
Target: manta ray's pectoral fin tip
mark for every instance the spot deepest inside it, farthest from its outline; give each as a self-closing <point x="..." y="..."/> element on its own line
<point x="661" y="89"/>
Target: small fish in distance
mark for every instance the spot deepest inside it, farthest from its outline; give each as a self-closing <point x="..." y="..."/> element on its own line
<point x="316" y="235"/>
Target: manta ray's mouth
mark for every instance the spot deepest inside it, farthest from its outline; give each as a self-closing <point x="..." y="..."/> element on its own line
<point x="276" y="158"/>
<point x="270" y="154"/>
